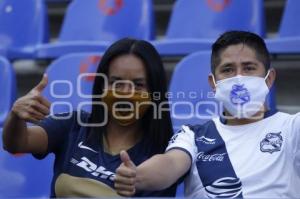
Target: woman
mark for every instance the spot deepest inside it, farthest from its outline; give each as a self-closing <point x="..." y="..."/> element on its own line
<point x="87" y="146"/>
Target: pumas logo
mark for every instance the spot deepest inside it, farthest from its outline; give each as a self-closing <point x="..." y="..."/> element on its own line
<point x="239" y="95"/>
<point x="206" y="140"/>
<point x="271" y="143"/>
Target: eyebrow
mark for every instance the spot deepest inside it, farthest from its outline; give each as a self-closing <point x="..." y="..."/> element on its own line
<point x="249" y="62"/>
<point x="135" y="79"/>
<point x="243" y="63"/>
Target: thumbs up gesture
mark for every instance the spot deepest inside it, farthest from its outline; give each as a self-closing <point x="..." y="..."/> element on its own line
<point x="33" y="107"/>
<point x="125" y="176"/>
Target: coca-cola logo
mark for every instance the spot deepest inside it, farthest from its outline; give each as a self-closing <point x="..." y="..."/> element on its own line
<point x="219" y="157"/>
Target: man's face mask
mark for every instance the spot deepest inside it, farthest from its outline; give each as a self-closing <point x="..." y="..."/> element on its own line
<point x="242" y="96"/>
<point x="127" y="107"/>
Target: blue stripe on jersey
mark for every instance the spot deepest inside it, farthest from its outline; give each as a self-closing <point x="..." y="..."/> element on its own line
<point x="213" y="164"/>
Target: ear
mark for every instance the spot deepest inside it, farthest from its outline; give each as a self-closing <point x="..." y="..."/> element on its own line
<point x="212" y="82"/>
<point x="271" y="77"/>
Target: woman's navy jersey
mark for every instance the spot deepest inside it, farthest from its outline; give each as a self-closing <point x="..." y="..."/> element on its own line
<point x="82" y="168"/>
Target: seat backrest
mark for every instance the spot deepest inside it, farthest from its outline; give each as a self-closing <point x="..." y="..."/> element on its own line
<point x="23" y="23"/>
<point x="22" y="176"/>
<point x="290" y="22"/>
<point x="191" y="97"/>
<point x="108" y="20"/>
<point x="7" y="87"/>
<point x="210" y="18"/>
<point x="69" y="83"/>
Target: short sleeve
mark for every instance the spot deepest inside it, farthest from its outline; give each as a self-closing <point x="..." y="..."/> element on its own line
<point x="57" y="127"/>
<point x="296" y="137"/>
<point x="184" y="140"/>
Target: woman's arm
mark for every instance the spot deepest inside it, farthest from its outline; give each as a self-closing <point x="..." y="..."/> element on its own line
<point x="33" y="107"/>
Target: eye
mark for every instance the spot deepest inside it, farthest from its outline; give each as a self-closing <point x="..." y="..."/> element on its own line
<point x="249" y="68"/>
<point x="139" y="85"/>
<point x="227" y="70"/>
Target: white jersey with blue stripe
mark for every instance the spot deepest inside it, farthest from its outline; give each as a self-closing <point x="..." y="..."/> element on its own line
<point x="257" y="160"/>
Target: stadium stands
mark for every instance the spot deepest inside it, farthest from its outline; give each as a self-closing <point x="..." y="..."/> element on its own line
<point x="23" y="26"/>
<point x="106" y="21"/>
<point x="70" y="82"/>
<point x="22" y="176"/>
<point x="194" y="25"/>
<point x="7" y="87"/>
<point x="288" y="40"/>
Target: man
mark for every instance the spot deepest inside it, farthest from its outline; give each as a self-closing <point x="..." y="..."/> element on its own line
<point x="246" y="152"/>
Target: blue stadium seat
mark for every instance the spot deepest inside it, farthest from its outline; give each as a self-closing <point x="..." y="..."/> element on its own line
<point x="69" y="84"/>
<point x="23" y="26"/>
<point x="192" y="100"/>
<point x="195" y="24"/>
<point x="90" y="26"/>
<point x="7" y="87"/>
<point x="22" y="176"/>
<point x="194" y="69"/>
<point x="288" y="40"/>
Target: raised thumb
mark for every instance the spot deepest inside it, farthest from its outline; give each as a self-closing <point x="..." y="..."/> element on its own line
<point x="126" y="159"/>
<point x="43" y="83"/>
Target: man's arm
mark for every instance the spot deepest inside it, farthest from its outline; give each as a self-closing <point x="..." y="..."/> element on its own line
<point x="156" y="173"/>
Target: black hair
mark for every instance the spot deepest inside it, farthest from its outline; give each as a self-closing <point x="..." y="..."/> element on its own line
<point x="252" y="40"/>
<point x="157" y="131"/>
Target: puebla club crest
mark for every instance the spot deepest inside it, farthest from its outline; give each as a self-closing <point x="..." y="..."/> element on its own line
<point x="239" y="95"/>
<point x="271" y="143"/>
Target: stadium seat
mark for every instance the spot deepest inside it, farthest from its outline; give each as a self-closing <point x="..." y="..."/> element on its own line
<point x="69" y="85"/>
<point x="22" y="176"/>
<point x="194" y="69"/>
<point x="90" y="26"/>
<point x="288" y="40"/>
<point x="23" y="26"/>
<point x="195" y="24"/>
<point x="7" y="87"/>
<point x="192" y="100"/>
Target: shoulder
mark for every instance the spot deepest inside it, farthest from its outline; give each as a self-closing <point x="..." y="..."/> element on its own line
<point x="196" y="129"/>
<point x="285" y="118"/>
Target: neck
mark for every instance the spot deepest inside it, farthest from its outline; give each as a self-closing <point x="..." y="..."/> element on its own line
<point x="119" y="137"/>
<point x="255" y="118"/>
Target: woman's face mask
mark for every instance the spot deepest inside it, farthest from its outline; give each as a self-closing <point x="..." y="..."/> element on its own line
<point x="242" y="96"/>
<point x="127" y="107"/>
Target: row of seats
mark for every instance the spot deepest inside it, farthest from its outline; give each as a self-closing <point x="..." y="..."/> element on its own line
<point x="23" y="176"/>
<point x="90" y="26"/>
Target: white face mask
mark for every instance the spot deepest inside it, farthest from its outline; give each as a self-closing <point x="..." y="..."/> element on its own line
<point x="242" y="96"/>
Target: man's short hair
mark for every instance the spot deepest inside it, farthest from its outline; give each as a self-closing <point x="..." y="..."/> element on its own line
<point x="251" y="40"/>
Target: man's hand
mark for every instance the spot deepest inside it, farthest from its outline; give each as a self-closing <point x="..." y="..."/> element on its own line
<point x="33" y="107"/>
<point x="125" y="176"/>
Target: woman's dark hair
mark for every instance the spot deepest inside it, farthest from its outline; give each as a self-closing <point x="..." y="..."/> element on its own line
<point x="157" y="131"/>
<point x="252" y="40"/>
